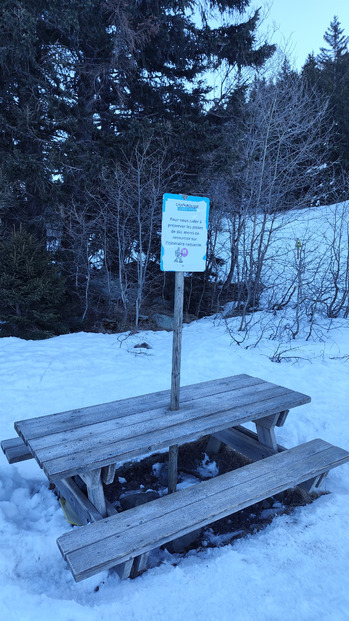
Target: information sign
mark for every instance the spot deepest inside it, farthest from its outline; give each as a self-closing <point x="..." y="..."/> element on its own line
<point x="184" y="233"/>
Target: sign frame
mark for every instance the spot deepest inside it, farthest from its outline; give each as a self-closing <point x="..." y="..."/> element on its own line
<point x="184" y="233"/>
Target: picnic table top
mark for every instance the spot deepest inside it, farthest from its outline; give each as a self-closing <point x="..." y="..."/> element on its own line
<point x="81" y="440"/>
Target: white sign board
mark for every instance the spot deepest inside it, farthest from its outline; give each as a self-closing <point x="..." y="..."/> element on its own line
<point x="184" y="233"/>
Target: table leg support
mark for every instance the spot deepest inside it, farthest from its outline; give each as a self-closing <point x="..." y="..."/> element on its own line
<point x="265" y="428"/>
<point x="85" y="510"/>
<point x="313" y="484"/>
<point x="172" y="468"/>
<point x="124" y="569"/>
<point x="213" y="446"/>
<point x="108" y="474"/>
<point x="95" y="491"/>
<point x="140" y="564"/>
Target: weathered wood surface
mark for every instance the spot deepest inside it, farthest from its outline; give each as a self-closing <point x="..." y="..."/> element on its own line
<point x="176" y="374"/>
<point x="15" y="450"/>
<point x="118" y="539"/>
<point x="95" y="491"/>
<point x="172" y="468"/>
<point x="114" y="410"/>
<point x="255" y="446"/>
<point x="177" y="340"/>
<point x="71" y="442"/>
<point x="243" y="441"/>
<point x="108" y="474"/>
<point x="82" y="506"/>
<point x="311" y="485"/>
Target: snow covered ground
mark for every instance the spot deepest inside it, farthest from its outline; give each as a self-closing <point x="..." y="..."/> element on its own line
<point x="295" y="569"/>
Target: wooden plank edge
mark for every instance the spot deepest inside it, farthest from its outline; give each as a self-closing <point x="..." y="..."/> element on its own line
<point x="15" y="450"/>
<point x="246" y="443"/>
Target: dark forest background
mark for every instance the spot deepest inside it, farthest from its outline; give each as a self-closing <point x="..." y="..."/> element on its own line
<point x="105" y="105"/>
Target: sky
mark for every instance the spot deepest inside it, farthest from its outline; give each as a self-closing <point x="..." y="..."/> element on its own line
<point x="301" y="24"/>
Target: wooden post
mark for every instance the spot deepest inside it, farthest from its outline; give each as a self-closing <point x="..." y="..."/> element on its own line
<point x="176" y="373"/>
<point x="177" y="340"/>
<point x="95" y="490"/>
<point x="172" y="468"/>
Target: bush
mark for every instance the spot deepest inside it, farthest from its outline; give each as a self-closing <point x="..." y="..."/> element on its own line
<point x="32" y="292"/>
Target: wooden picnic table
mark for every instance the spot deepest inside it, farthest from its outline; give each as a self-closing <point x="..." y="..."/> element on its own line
<point x="91" y="442"/>
<point x="86" y="445"/>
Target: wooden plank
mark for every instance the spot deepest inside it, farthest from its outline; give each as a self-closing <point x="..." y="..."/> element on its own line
<point x="15" y="450"/>
<point x="137" y="424"/>
<point x="82" y="506"/>
<point x="265" y="431"/>
<point x="108" y="474"/>
<point x="72" y="419"/>
<point x="72" y="440"/>
<point x="189" y="429"/>
<point x="246" y="442"/>
<point x="140" y="563"/>
<point x="85" y="437"/>
<point x="282" y="418"/>
<point x="120" y="538"/>
<point x="111" y="411"/>
<point x="192" y="494"/>
<point x="124" y="569"/>
<point x="268" y="422"/>
<point x="313" y="484"/>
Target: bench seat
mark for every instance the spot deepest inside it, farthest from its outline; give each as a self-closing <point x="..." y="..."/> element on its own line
<point x="118" y="539"/>
<point x="15" y="450"/>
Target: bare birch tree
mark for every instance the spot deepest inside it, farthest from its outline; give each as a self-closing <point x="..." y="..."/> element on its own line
<point x="279" y="160"/>
<point x="115" y="250"/>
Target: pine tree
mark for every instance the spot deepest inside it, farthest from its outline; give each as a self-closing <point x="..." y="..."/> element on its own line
<point x="328" y="72"/>
<point x="169" y="83"/>
<point x="26" y="90"/>
<point x="338" y="43"/>
<point x="84" y="83"/>
<point x="310" y="70"/>
<point x="31" y="290"/>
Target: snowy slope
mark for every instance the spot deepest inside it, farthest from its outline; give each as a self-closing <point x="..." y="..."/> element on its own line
<point x="297" y="568"/>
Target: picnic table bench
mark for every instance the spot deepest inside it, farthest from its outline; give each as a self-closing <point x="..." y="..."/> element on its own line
<point x="89" y="443"/>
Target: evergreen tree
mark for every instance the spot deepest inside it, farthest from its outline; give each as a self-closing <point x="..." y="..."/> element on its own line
<point x="26" y="89"/>
<point x="310" y="70"/>
<point x="337" y="42"/>
<point x="84" y="83"/>
<point x="328" y="72"/>
<point x="31" y="289"/>
<point x="169" y="84"/>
